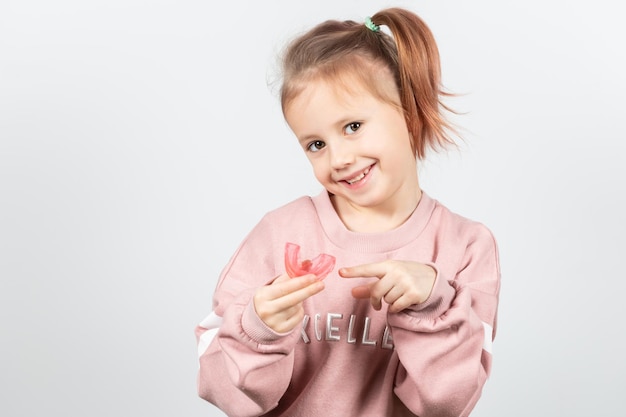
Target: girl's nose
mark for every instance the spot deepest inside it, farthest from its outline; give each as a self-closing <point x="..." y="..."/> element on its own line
<point x="341" y="156"/>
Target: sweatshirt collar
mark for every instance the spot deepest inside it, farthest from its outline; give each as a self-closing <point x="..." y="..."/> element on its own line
<point x="387" y="241"/>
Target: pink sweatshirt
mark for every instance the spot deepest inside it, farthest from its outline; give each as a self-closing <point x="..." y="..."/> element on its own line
<point x="347" y="359"/>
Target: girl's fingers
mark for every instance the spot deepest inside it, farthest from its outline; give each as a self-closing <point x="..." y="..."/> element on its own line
<point x="393" y="295"/>
<point x="302" y="294"/>
<point x="281" y="278"/>
<point x="283" y="285"/>
<point x="289" y="294"/>
<point x="283" y="321"/>
<point x="362" y="291"/>
<point x="400" y="304"/>
<point x="377" y="270"/>
<point x="281" y="308"/>
<point x="378" y="290"/>
<point x="289" y="322"/>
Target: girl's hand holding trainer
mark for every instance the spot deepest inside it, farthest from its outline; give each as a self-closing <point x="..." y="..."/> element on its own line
<point x="279" y="304"/>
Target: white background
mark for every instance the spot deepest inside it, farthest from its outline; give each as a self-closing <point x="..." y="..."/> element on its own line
<point x="140" y="141"/>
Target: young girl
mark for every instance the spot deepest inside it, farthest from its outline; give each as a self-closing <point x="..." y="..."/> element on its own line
<point x="371" y="298"/>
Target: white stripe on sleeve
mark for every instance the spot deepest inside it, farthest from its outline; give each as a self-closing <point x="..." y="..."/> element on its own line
<point x="212" y="323"/>
<point x="488" y="342"/>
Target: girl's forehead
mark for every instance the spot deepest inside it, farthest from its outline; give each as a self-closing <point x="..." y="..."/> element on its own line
<point x="347" y="88"/>
<point x="330" y="98"/>
<point x="346" y="85"/>
<point x="340" y="90"/>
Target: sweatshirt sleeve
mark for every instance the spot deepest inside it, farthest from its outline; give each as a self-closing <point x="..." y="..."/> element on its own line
<point x="245" y="367"/>
<point x="444" y="344"/>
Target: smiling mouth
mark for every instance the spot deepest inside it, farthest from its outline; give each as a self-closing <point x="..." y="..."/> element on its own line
<point x="359" y="177"/>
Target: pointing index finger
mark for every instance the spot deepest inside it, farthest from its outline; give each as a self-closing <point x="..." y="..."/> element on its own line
<point x="375" y="270"/>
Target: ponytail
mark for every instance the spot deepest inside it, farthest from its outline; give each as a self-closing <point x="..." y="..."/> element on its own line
<point x="419" y="76"/>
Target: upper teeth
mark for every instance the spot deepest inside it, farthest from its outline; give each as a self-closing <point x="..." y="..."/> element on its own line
<point x="358" y="177"/>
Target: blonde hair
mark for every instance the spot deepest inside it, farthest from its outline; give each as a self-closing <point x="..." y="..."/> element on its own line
<point x="335" y="50"/>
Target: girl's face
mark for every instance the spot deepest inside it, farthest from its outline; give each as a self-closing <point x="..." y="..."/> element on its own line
<point x="359" y="146"/>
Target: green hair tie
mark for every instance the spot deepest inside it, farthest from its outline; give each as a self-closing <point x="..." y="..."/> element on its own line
<point x="371" y="25"/>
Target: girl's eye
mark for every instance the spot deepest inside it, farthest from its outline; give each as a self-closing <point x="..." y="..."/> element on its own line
<point x="351" y="128"/>
<point x="315" y="146"/>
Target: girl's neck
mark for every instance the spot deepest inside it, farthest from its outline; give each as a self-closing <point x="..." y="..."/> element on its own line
<point x="380" y="218"/>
